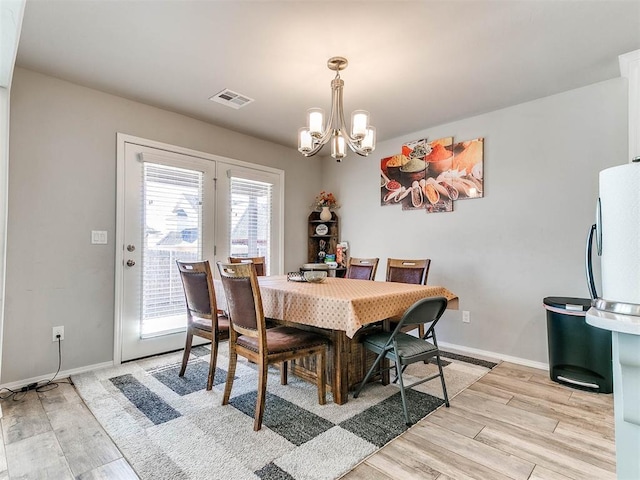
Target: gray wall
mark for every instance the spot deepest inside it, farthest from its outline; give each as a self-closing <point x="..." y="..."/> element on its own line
<point x="62" y="185"/>
<point x="525" y="240"/>
<point x="501" y="254"/>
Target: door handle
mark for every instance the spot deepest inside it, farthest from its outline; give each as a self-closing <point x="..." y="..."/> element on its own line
<point x="130" y="263"/>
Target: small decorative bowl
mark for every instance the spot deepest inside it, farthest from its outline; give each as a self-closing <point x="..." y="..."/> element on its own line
<point x="315" y="276"/>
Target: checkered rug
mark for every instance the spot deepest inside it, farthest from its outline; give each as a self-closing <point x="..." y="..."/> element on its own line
<point x="169" y="427"/>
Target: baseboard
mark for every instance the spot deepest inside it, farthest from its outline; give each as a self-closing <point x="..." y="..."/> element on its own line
<point x="494" y="356"/>
<point x="62" y="374"/>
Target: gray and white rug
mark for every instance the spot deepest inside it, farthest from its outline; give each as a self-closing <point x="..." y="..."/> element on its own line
<point x="169" y="427"/>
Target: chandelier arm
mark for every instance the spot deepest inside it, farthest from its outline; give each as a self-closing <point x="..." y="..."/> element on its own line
<point x="315" y="150"/>
<point x="353" y="144"/>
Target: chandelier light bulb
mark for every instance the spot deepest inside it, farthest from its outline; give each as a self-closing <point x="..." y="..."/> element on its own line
<point x="305" y="141"/>
<point x="359" y="124"/>
<point x="316" y="122"/>
<point x="338" y="149"/>
<point x="368" y="143"/>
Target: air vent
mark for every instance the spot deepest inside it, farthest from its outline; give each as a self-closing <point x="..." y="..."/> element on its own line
<point x="231" y="99"/>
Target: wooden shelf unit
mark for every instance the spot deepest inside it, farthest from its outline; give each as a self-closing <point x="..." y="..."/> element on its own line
<point x="331" y="237"/>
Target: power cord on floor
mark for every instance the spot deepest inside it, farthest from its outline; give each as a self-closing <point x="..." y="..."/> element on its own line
<point x="18" y="395"/>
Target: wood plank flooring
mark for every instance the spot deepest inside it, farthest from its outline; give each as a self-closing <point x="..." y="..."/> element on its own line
<point x="514" y="423"/>
<point x="53" y="435"/>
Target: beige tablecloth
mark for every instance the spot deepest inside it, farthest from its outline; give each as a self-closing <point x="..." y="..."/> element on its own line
<point x="337" y="303"/>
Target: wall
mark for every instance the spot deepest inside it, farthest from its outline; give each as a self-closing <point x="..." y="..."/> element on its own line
<point x="525" y="240"/>
<point x="62" y="185"/>
<point x="4" y="164"/>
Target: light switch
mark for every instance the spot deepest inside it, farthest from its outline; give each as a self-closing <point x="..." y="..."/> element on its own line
<point x="99" y="237"/>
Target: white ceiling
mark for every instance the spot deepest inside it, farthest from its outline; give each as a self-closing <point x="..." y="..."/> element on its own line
<point x="412" y="64"/>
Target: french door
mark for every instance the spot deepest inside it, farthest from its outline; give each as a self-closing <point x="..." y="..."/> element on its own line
<point x="176" y="204"/>
<point x="166" y="196"/>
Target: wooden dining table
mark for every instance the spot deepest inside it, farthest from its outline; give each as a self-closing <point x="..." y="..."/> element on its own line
<point x="341" y="309"/>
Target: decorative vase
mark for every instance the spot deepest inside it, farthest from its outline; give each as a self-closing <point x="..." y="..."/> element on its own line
<point x="325" y="214"/>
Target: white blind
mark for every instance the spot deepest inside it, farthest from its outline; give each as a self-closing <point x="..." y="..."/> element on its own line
<point x="251" y="213"/>
<point x="172" y="230"/>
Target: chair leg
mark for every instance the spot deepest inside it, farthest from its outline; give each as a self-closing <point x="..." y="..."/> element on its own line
<point x="320" y="369"/>
<point x="404" y="367"/>
<point x="404" y="397"/>
<point x="369" y="373"/>
<point x="284" y="369"/>
<point x="212" y="362"/>
<point x="187" y="351"/>
<point x="444" y="387"/>
<point x="262" y="394"/>
<point x="231" y="372"/>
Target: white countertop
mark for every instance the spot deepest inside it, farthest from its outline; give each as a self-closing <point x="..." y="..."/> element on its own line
<point x="613" y="321"/>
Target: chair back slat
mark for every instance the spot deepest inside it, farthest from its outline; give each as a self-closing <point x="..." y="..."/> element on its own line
<point x="258" y="263"/>
<point x="244" y="302"/>
<point x="362" y="268"/>
<point x="408" y="271"/>
<point x="198" y="287"/>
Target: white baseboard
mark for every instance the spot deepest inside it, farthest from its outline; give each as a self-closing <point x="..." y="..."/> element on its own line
<point x="494" y="356"/>
<point x="62" y="374"/>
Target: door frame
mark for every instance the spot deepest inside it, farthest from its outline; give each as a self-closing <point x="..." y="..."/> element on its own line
<point x="121" y="140"/>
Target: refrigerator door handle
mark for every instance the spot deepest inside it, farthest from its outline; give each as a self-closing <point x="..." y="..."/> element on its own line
<point x="599" y="228"/>
<point x="589" y="263"/>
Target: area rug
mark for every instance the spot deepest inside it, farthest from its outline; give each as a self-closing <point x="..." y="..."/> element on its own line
<point x="169" y="427"/>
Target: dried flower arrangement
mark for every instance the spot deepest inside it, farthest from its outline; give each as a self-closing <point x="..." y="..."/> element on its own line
<point x="326" y="199"/>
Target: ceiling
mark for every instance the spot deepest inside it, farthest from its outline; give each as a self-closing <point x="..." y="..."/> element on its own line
<point x="412" y="64"/>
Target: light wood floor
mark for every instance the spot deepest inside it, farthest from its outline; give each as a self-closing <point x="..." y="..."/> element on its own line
<point x="514" y="423"/>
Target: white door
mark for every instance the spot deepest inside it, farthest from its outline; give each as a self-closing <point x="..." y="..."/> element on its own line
<point x="168" y="215"/>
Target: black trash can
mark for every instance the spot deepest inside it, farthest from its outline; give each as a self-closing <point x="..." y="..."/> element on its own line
<point x="579" y="354"/>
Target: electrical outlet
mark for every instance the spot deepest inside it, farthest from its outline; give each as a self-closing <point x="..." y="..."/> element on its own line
<point x="58" y="331"/>
<point x="465" y="316"/>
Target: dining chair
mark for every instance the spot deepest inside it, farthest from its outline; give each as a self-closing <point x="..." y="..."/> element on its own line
<point x="259" y="263"/>
<point x="250" y="338"/>
<point x="362" y="268"/>
<point x="408" y="271"/>
<point x="203" y="317"/>
<point x="404" y="349"/>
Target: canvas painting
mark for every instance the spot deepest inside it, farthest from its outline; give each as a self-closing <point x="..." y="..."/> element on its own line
<point x="430" y="176"/>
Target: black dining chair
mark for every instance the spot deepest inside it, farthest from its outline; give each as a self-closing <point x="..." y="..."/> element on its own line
<point x="404" y="349"/>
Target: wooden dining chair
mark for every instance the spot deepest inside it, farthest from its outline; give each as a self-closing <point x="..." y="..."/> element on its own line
<point x="250" y="338"/>
<point x="404" y="349"/>
<point x="259" y="263"/>
<point x="362" y="268"/>
<point x="408" y="271"/>
<point x="203" y="318"/>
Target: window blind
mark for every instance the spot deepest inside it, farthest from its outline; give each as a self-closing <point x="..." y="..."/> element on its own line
<point x="172" y="230"/>
<point x="251" y="213"/>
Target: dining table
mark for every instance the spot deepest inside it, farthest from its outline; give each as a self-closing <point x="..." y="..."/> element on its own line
<point x="341" y="309"/>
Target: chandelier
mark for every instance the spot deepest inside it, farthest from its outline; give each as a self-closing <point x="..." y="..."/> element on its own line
<point x="362" y="137"/>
